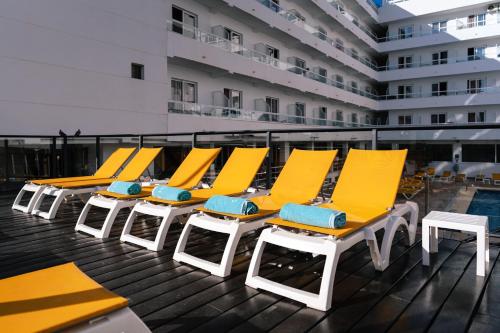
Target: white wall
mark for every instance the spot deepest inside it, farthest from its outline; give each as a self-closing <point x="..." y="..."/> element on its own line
<point x="66" y="65"/>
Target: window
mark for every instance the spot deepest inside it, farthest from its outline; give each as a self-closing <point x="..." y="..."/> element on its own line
<point x="475" y="53"/>
<point x="233" y="36"/>
<point x="354" y="53"/>
<point x="137" y="71"/>
<point x="184" y="22"/>
<point x="438" y="152"/>
<point x="321" y="33"/>
<point x="439" y="26"/>
<point x="322" y="114"/>
<point x="476" y="117"/>
<point x="272" y="106"/>
<point x="438" y="118"/>
<point x="354" y="118"/>
<point x="184" y="91"/>
<point x="440" y="58"/>
<point x="440" y="89"/>
<point x="339" y="115"/>
<point x="299" y="65"/>
<point x="320" y="74"/>
<point x="300" y="113"/>
<point x="404" y="120"/>
<point x="274" y="5"/>
<point x="339" y="81"/>
<point x="405" y="91"/>
<point x="294" y="15"/>
<point x="233" y="99"/>
<point x="476" y="20"/>
<point x="405" y="32"/>
<point x="339" y="44"/>
<point x="478" y="153"/>
<point x="272" y="52"/>
<point x="405" y="62"/>
<point x="474" y="86"/>
<point x="354" y="87"/>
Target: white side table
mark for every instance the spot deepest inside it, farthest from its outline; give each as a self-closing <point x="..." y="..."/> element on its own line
<point x="462" y="222"/>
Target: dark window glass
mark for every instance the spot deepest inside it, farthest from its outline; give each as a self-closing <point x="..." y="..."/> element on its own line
<point x="478" y="153"/>
<point x="137" y="71"/>
<point x="439" y="152"/>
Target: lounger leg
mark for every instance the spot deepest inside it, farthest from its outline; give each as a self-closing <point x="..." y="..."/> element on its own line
<point x="324" y="301"/>
<point x="37" y="191"/>
<point x="60" y="194"/>
<point x="162" y="232"/>
<point x="114" y="207"/>
<point x="181" y="244"/>
<point x="253" y="269"/>
<point x="390" y="231"/>
<point x="412" y="227"/>
<point x="228" y="256"/>
<point x="371" y="241"/>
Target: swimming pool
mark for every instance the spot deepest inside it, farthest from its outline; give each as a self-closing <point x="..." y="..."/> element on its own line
<point x="487" y="203"/>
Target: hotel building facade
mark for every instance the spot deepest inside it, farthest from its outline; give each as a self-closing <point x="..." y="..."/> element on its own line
<point x="163" y="66"/>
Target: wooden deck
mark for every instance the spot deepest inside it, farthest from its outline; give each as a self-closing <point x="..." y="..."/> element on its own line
<point x="169" y="296"/>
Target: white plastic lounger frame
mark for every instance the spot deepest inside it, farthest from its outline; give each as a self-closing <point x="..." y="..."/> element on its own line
<point x="114" y="207"/>
<point x="234" y="227"/>
<point x="167" y="213"/>
<point x="60" y="195"/>
<point x="331" y="247"/>
<point x="30" y="187"/>
<point x="122" y="320"/>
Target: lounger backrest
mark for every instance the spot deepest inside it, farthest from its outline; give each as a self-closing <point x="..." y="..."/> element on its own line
<point x="139" y="164"/>
<point x="240" y="169"/>
<point x="194" y="166"/>
<point x="369" y="178"/>
<point x="114" y="162"/>
<point x="304" y="172"/>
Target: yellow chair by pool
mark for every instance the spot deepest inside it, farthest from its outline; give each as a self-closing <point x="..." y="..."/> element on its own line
<point x="366" y="192"/>
<point x="63" y="298"/>
<point x="108" y="169"/>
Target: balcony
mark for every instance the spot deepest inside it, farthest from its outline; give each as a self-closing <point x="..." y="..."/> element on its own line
<point x="297" y="28"/>
<point x="457" y="30"/>
<point x="207" y="112"/>
<point x="190" y="43"/>
<point x="449" y="98"/>
<point x="438" y="67"/>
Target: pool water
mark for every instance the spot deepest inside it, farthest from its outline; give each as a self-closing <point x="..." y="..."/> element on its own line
<point x="487" y="203"/>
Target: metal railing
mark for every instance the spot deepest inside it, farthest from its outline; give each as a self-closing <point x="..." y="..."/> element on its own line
<point x="232" y="113"/>
<point x="435" y="62"/>
<point x="238" y="49"/>
<point x="291" y="17"/>
<point x="442" y="93"/>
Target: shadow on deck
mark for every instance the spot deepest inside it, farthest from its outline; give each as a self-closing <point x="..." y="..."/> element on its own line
<point x="168" y="296"/>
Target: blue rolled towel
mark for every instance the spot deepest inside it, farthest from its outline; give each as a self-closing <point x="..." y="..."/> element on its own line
<point x="128" y="188"/>
<point x="231" y="205"/>
<point x="312" y="215"/>
<point x="171" y="193"/>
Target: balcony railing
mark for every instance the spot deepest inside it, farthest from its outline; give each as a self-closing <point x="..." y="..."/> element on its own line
<point x="442" y="93"/>
<point x="237" y="49"/>
<point x="290" y="16"/>
<point x="227" y="112"/>
<point x="435" y="62"/>
<point x="461" y="24"/>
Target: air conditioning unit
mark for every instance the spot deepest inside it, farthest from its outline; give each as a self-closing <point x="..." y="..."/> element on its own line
<point x="494" y="8"/>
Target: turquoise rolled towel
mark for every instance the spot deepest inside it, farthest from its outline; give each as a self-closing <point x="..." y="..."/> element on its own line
<point x="312" y="215"/>
<point x="171" y="193"/>
<point x="128" y="188"/>
<point x="231" y="205"/>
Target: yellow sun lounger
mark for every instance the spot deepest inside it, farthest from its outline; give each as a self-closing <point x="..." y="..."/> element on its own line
<point x="366" y="191"/>
<point x="234" y="179"/>
<point x="108" y="169"/>
<point x="299" y="182"/>
<point x="132" y="171"/>
<point x="63" y="298"/>
<point x="187" y="176"/>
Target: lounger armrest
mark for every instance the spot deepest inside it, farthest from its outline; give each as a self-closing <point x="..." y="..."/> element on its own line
<point x="205" y="185"/>
<point x="155" y="182"/>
